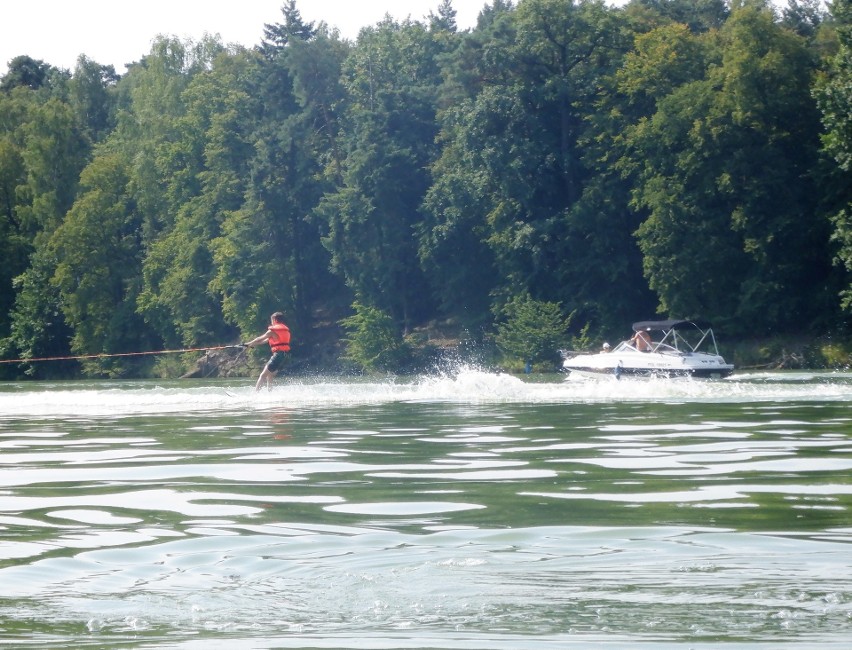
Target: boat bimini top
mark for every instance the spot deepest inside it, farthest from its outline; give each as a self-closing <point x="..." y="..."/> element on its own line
<point x="684" y="336"/>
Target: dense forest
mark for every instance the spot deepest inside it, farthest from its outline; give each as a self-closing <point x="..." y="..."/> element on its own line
<point x="589" y="164"/>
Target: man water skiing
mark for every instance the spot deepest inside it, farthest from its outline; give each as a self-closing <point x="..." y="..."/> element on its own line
<point x="278" y="337"/>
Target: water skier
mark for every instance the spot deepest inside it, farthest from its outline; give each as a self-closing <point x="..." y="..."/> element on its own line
<point x="278" y="337"/>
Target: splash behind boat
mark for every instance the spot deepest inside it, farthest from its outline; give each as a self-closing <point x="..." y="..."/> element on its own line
<point x="672" y="348"/>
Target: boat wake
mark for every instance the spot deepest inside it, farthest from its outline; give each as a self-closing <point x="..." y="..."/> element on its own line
<point x="466" y="385"/>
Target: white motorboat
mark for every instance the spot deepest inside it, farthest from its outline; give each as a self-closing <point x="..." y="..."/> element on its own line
<point x="668" y="348"/>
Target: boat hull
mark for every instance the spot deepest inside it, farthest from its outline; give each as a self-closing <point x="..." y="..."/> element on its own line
<point x="649" y="365"/>
<point x="652" y="373"/>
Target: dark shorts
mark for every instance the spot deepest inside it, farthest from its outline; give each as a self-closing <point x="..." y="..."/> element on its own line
<point x="276" y="361"/>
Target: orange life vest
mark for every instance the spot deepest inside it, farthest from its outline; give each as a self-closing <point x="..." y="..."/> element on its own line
<point x="280" y="339"/>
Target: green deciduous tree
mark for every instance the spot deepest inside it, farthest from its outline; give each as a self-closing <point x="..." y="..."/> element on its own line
<point x="515" y="173"/>
<point x="453" y="231"/>
<point x="93" y="97"/>
<point x="52" y="151"/>
<point x="204" y="172"/>
<point x="25" y="72"/>
<point x="269" y="256"/>
<point x="37" y="327"/>
<point x="392" y="76"/>
<point x="697" y="15"/>
<point x="98" y="271"/>
<point x="834" y="94"/>
<point x="725" y="160"/>
<point x="14" y="244"/>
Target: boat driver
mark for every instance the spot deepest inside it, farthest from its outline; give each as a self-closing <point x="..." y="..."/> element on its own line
<point x="642" y="340"/>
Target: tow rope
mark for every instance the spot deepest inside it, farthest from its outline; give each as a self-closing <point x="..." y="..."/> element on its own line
<point x="118" y="354"/>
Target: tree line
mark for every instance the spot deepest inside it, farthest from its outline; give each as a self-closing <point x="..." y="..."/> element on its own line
<point x="597" y="165"/>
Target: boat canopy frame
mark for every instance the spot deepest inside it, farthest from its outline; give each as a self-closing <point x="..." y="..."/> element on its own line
<point x="671" y="337"/>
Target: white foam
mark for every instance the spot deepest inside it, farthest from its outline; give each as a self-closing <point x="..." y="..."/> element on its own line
<point x="467" y="386"/>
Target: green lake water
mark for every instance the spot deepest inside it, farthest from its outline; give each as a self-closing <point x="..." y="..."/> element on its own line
<point x="472" y="510"/>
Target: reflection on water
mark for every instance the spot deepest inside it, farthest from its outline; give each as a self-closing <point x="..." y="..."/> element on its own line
<point x="474" y="511"/>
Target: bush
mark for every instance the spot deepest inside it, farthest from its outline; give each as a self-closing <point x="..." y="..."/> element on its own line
<point x="533" y="330"/>
<point x="373" y="342"/>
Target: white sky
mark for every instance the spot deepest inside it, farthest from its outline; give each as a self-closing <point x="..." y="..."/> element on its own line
<point x="118" y="32"/>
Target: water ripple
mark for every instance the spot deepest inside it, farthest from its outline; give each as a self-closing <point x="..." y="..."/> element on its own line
<point x="468" y="511"/>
